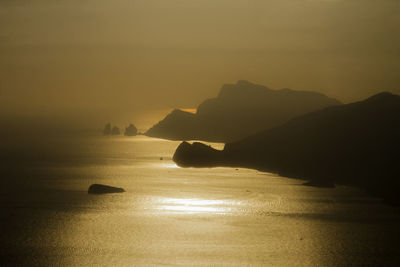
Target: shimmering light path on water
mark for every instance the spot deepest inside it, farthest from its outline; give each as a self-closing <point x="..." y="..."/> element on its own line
<point x="182" y="217"/>
<point x="190" y="206"/>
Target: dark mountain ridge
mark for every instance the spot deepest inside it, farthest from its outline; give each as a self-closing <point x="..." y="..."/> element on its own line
<point x="354" y="144"/>
<point x="239" y="110"/>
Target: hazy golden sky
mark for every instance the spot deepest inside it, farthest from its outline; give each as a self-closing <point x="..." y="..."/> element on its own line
<point x="128" y="55"/>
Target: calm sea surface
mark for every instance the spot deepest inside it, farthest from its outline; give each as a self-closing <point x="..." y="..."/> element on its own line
<point x="178" y="217"/>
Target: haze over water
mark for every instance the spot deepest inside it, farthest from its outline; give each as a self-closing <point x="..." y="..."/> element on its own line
<point x="71" y="65"/>
<point x="180" y="217"/>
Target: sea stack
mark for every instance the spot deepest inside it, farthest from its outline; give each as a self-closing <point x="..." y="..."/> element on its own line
<point x="107" y="129"/>
<point x="131" y="130"/>
<point x="115" y="131"/>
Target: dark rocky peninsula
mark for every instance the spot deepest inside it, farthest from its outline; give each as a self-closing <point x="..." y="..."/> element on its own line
<point x="355" y="144"/>
<point x="197" y="155"/>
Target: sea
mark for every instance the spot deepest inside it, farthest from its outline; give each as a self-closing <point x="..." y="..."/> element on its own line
<point x="172" y="216"/>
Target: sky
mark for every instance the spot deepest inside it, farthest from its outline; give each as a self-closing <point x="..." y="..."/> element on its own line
<point x="128" y="57"/>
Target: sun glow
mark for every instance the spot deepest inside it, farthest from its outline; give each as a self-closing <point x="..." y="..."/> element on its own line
<point x="190" y="110"/>
<point x="171" y="166"/>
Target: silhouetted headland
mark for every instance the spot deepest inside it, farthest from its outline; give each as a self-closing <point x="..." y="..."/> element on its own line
<point x="197" y="155"/>
<point x="240" y="110"/>
<point x="131" y="130"/>
<point x="355" y="144"/>
<point x="104" y="189"/>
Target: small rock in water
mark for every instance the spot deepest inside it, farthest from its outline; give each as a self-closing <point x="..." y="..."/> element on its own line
<point x="104" y="189"/>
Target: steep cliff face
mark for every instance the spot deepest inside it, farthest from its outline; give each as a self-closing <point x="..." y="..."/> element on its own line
<point x="240" y="110"/>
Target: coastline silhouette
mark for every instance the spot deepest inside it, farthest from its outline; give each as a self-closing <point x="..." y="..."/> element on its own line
<point x="353" y="144"/>
<point x="239" y="110"/>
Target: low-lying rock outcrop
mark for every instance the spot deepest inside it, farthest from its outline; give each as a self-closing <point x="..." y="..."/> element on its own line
<point x="104" y="189"/>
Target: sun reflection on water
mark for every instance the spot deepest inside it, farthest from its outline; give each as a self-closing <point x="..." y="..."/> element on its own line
<point x="171" y="166"/>
<point x="195" y="205"/>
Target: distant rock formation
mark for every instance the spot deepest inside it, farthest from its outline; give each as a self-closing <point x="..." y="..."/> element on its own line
<point x="130" y="130"/>
<point x="107" y="129"/>
<point x="115" y="131"/>
<point x="240" y="110"/>
<point x="355" y="144"/>
<point x="104" y="189"/>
